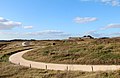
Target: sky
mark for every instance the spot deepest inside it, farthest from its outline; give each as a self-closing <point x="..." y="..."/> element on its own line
<point x="58" y="19"/>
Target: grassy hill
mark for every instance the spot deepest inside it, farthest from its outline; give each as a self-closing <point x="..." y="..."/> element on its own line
<point x="9" y="70"/>
<point x="87" y="51"/>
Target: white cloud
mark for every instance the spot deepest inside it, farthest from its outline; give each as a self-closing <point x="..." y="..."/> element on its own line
<point x="94" y="33"/>
<point x="7" y="24"/>
<point x="107" y="2"/>
<point x="111" y="2"/>
<point x="48" y="33"/>
<point x="3" y="20"/>
<point x="10" y="33"/>
<point x="116" y="33"/>
<point x="113" y="34"/>
<point x="28" y="27"/>
<point x="111" y="26"/>
<point x="84" y="19"/>
<point x="97" y="33"/>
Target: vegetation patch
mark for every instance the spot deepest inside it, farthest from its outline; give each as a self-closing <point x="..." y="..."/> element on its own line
<point x="87" y="51"/>
<point x="8" y="70"/>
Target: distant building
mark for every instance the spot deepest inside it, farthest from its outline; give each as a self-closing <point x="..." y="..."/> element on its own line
<point x="25" y="44"/>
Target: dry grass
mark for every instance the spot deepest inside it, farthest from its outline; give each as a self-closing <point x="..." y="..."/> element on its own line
<point x="98" y="51"/>
<point x="15" y="71"/>
<point x="8" y="70"/>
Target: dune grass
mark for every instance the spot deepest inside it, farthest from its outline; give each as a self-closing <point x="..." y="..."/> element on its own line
<point x="94" y="51"/>
<point x="9" y="70"/>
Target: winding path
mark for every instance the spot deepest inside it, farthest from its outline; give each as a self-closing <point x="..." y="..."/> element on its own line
<point x="18" y="59"/>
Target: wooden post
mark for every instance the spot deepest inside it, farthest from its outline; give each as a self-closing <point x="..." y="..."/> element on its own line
<point x="92" y="68"/>
<point x="46" y="67"/>
<point x="30" y="65"/>
<point x="67" y="68"/>
<point x="18" y="63"/>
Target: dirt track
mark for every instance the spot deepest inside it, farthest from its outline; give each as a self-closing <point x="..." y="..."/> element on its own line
<point x="18" y="59"/>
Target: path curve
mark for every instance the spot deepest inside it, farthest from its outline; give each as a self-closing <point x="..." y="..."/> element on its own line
<point x="18" y="59"/>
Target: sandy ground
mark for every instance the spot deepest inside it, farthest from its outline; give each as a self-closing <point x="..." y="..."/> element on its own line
<point x="18" y="59"/>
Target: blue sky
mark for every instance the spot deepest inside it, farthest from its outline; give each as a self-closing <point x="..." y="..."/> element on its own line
<point x="59" y="19"/>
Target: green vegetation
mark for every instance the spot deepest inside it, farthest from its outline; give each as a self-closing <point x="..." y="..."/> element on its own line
<point x="9" y="70"/>
<point x="88" y="51"/>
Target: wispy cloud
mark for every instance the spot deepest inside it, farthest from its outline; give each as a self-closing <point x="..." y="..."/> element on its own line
<point x="106" y="2"/>
<point x="97" y="34"/>
<point x="48" y="33"/>
<point x="116" y="33"/>
<point x="84" y="19"/>
<point x="6" y="24"/>
<point x="94" y="33"/>
<point x="3" y="19"/>
<point x="28" y="27"/>
<point x="111" y="26"/>
<point x="111" y="2"/>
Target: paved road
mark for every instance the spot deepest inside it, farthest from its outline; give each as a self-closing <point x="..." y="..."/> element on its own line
<point x="18" y="59"/>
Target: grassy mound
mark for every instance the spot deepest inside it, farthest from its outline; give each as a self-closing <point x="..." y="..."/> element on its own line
<point x="8" y="70"/>
<point x="87" y="51"/>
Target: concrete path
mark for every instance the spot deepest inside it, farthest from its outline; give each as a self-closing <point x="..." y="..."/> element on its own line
<point x="18" y="59"/>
